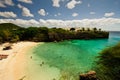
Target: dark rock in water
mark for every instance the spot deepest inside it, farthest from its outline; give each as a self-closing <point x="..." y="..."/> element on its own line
<point x="42" y="62"/>
<point x="31" y="57"/>
<point x="91" y="75"/>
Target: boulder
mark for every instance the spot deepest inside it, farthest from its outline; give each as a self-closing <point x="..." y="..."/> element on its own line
<point x="7" y="48"/>
<point x="91" y="75"/>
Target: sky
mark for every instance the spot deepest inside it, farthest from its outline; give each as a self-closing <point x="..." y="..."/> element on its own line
<point x="103" y="14"/>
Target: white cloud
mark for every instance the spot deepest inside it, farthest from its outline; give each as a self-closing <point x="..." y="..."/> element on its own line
<point x="26" y="1"/>
<point x="8" y="14"/>
<point x="26" y="23"/>
<point x="21" y="22"/>
<point x="75" y="14"/>
<point x="25" y="11"/>
<point x="55" y="15"/>
<point x="3" y="3"/>
<point x="47" y="13"/>
<point x="20" y="6"/>
<point x="92" y="13"/>
<point x="9" y="2"/>
<point x="103" y="23"/>
<point x="58" y="14"/>
<point x="109" y="14"/>
<point x="63" y="0"/>
<point x="88" y="5"/>
<point x="52" y="23"/>
<point x="56" y="3"/>
<point x="72" y="4"/>
<point x="42" y="12"/>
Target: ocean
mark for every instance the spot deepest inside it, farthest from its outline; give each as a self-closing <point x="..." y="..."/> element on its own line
<point x="71" y="58"/>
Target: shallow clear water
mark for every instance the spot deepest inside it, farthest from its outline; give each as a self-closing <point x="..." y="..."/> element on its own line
<point x="72" y="57"/>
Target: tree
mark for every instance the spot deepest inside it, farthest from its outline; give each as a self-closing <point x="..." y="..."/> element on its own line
<point x="44" y="31"/>
<point x="12" y="33"/>
<point x="72" y="29"/>
<point x="83" y="29"/>
<point x="15" y="38"/>
<point x="30" y="33"/>
<point x="88" y="29"/>
<point x="94" y="29"/>
<point x="99" y="29"/>
<point x="6" y="35"/>
<point x="1" y="40"/>
<point x="39" y="37"/>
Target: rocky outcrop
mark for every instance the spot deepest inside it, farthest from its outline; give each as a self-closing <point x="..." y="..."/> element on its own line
<point x="91" y="75"/>
<point x="3" y="56"/>
<point x="7" y="48"/>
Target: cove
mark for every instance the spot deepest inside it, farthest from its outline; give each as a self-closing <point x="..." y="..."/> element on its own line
<point x="71" y="57"/>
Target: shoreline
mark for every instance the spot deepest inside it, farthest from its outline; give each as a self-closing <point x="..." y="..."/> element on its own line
<point x="20" y="66"/>
<point x="14" y="66"/>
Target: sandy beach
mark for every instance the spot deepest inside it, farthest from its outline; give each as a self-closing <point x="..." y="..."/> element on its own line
<point x="14" y="67"/>
<point x="21" y="65"/>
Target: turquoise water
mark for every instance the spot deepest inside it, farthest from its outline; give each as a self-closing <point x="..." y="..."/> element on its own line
<point x="71" y="57"/>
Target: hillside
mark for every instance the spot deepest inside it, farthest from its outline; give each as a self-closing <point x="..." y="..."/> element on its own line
<point x="12" y="32"/>
<point x="9" y="26"/>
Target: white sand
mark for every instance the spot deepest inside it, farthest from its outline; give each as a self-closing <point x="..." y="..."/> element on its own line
<point x="20" y="66"/>
<point x="13" y="68"/>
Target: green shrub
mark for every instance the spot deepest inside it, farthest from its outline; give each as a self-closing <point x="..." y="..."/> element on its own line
<point x="109" y="63"/>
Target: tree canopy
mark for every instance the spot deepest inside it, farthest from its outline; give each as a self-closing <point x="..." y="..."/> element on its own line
<point x="12" y="33"/>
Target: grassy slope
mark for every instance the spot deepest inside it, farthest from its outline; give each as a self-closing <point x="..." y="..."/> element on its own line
<point x="109" y="64"/>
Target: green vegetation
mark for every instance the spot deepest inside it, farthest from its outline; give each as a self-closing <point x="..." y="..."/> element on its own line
<point x="12" y="33"/>
<point x="8" y="26"/>
<point x="108" y="66"/>
<point x="7" y="32"/>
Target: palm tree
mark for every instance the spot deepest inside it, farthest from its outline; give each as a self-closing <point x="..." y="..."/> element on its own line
<point x="94" y="29"/>
<point x="72" y="29"/>
<point x="83" y="29"/>
<point x="88" y="29"/>
<point x="99" y="29"/>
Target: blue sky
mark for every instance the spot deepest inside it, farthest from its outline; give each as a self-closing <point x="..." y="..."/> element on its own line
<point x="51" y="12"/>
